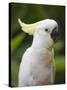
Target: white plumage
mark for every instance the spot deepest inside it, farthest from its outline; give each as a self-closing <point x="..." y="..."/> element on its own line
<point x="37" y="65"/>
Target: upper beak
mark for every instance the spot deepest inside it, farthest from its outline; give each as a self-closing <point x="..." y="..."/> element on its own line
<point x="54" y="35"/>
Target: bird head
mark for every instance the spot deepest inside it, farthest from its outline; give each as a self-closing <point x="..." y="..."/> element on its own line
<point x="45" y="30"/>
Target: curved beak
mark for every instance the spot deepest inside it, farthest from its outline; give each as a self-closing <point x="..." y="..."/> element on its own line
<point x="55" y="35"/>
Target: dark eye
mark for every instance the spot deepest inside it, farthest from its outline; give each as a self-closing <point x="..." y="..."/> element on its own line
<point x="46" y="30"/>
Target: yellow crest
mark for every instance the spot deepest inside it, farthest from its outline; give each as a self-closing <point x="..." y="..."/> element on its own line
<point x="28" y="28"/>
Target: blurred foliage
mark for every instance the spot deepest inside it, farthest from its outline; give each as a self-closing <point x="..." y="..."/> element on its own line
<point x="20" y="41"/>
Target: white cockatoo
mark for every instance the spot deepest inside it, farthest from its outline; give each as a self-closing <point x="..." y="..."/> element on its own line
<point x="37" y="65"/>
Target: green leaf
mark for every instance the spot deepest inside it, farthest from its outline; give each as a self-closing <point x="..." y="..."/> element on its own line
<point x="15" y="42"/>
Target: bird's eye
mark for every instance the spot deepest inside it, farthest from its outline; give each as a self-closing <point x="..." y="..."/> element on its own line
<point x="46" y="30"/>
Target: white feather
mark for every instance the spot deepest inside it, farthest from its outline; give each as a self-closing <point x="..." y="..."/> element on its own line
<point x="37" y="64"/>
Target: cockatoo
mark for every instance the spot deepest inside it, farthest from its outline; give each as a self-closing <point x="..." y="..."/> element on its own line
<point x="37" y="66"/>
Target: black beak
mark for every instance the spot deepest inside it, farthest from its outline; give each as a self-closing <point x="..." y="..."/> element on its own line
<point x="54" y="35"/>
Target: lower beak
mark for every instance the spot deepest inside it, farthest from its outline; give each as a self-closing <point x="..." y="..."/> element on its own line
<point x="54" y="35"/>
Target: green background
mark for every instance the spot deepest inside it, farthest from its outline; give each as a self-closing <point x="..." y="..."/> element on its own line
<point x="20" y="41"/>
